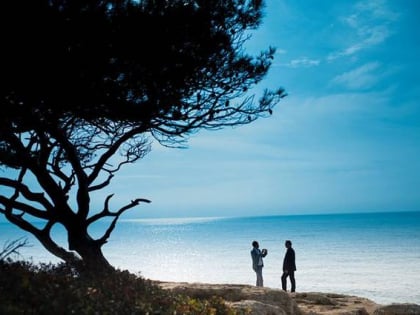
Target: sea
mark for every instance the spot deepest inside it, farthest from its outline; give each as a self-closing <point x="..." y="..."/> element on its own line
<point x="371" y="255"/>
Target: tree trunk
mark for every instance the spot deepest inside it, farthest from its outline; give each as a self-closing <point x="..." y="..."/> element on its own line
<point x="93" y="262"/>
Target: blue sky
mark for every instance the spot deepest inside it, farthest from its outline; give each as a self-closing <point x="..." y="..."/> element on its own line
<point x="346" y="139"/>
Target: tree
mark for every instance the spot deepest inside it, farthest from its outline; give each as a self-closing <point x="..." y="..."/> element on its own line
<point x="84" y="82"/>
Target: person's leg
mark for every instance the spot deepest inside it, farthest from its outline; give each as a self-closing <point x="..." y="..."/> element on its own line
<point x="284" y="281"/>
<point x="292" y="281"/>
<point x="259" y="277"/>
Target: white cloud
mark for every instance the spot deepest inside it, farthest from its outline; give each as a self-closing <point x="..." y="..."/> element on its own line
<point x="361" y="77"/>
<point x="370" y="25"/>
<point x="378" y="9"/>
<point x="303" y="62"/>
<point x="281" y="51"/>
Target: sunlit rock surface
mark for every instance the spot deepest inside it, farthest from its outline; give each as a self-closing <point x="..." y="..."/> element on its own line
<point x="267" y="301"/>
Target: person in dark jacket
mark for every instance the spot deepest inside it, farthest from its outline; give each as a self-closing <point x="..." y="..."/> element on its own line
<point x="289" y="267"/>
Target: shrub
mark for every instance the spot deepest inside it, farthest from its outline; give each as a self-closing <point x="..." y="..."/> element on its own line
<point x="26" y="288"/>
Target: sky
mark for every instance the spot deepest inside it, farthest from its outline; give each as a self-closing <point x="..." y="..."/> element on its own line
<point x="345" y="139"/>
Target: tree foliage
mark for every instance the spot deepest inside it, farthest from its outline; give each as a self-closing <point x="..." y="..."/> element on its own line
<point x="84" y="82"/>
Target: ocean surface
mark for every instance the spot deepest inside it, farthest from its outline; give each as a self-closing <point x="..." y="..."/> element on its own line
<point x="374" y="255"/>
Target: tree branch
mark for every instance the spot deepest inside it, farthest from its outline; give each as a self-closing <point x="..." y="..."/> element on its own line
<point x="106" y="213"/>
<point x="26" y="192"/>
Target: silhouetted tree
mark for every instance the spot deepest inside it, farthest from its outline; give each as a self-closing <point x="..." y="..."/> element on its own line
<point x="85" y="81"/>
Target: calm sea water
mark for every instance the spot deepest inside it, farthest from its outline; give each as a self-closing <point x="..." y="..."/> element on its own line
<point x="371" y="255"/>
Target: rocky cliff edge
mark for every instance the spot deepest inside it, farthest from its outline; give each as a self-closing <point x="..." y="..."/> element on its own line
<point x="267" y="301"/>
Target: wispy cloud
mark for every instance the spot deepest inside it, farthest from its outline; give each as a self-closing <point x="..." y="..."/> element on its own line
<point x="361" y="77"/>
<point x="377" y="9"/>
<point x="370" y="25"/>
<point x="281" y="51"/>
<point x="303" y="62"/>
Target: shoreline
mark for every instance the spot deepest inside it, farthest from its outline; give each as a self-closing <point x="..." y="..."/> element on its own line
<point x="264" y="300"/>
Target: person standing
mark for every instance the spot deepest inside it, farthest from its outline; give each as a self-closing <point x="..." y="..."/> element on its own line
<point x="289" y="267"/>
<point x="257" y="262"/>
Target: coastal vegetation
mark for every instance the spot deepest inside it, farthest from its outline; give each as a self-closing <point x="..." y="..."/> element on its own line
<point x="87" y="90"/>
<point x="26" y="288"/>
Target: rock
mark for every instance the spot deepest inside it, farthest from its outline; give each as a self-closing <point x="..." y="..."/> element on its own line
<point x="258" y="300"/>
<point x="316" y="303"/>
<point x="398" y="309"/>
<point x="256" y="308"/>
<point x="269" y="301"/>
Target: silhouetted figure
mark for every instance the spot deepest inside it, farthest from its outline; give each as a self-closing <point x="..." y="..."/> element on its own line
<point x="257" y="261"/>
<point x="289" y="267"/>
